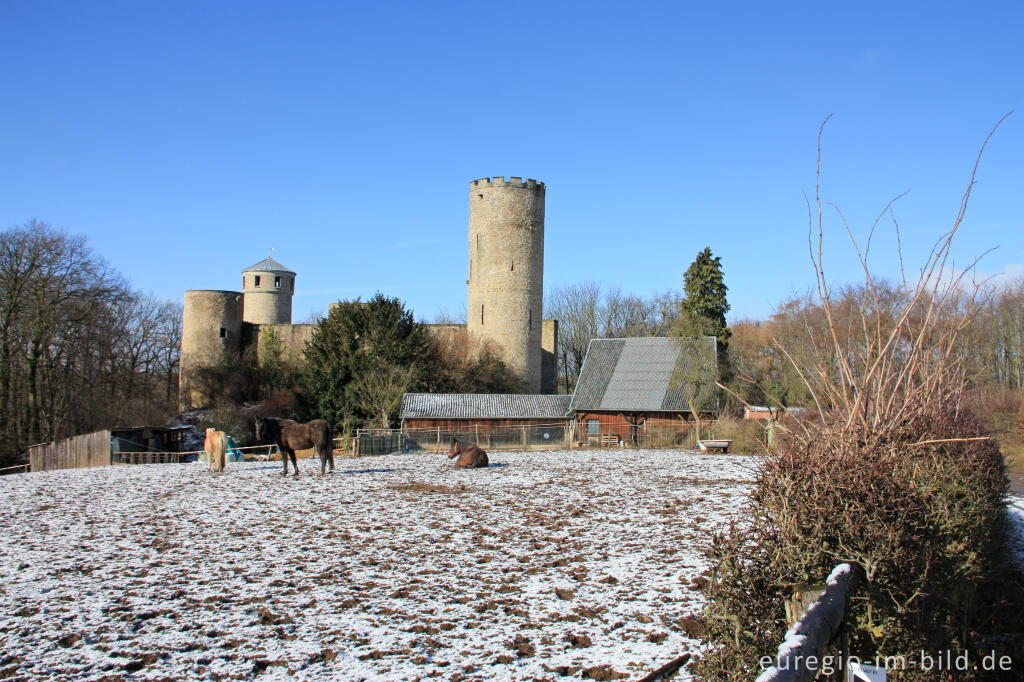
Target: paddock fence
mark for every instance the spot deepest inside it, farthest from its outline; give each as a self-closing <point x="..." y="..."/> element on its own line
<point x="437" y="439"/>
<point x="87" y="450"/>
<point x="556" y="436"/>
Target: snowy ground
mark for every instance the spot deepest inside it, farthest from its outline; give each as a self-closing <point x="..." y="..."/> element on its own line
<point x="397" y="567"/>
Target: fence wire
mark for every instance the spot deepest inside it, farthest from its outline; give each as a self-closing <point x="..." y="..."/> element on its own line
<point x="438" y="439"/>
<point x="559" y="436"/>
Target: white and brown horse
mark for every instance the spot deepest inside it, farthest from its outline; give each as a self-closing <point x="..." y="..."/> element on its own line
<point x="290" y="436"/>
<point x="216" y="447"/>
<point x="469" y="455"/>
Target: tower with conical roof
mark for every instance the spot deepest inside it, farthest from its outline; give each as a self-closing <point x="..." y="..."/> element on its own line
<point x="267" y="290"/>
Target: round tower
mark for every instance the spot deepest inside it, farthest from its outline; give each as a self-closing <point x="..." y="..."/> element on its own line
<point x="211" y="331"/>
<point x="268" y="287"/>
<point x="506" y="271"/>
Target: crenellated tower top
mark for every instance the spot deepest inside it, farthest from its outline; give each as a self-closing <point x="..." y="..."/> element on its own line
<point x="500" y="181"/>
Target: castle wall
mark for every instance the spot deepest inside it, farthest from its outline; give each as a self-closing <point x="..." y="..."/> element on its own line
<point x="292" y="338"/>
<point x="549" y="357"/>
<point x="210" y="334"/>
<point x="506" y="271"/>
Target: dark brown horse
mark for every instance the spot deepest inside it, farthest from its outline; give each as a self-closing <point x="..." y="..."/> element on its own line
<point x="469" y="455"/>
<point x="290" y="436"/>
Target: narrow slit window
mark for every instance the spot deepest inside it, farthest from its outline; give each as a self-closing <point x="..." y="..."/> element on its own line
<point x="530" y="323"/>
<point x="256" y="281"/>
<point x="223" y="333"/>
<point x="513" y="266"/>
<point x="481" y="313"/>
<point x="277" y="282"/>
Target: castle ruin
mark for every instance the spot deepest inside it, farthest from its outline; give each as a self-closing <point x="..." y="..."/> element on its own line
<point x="505" y="297"/>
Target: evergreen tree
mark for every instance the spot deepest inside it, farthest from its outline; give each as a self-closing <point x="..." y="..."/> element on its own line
<point x="357" y="342"/>
<point x="703" y="308"/>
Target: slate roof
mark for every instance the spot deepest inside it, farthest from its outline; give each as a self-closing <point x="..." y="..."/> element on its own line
<point x="647" y="375"/>
<point x="268" y="265"/>
<point x="483" y="406"/>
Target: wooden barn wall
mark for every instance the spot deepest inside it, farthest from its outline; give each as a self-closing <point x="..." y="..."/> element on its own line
<point x="619" y="425"/>
<point x="88" y="450"/>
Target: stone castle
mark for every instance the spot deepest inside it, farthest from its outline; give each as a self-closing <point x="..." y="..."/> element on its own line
<point x="504" y="307"/>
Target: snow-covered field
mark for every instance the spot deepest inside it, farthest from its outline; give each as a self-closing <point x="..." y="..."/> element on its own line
<point x="396" y="567"/>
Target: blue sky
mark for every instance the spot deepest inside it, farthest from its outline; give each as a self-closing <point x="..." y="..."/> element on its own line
<point x="186" y="139"/>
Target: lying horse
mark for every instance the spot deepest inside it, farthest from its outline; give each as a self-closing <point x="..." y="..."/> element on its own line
<point x="216" y="446"/>
<point x="290" y="436"/>
<point x="469" y="455"/>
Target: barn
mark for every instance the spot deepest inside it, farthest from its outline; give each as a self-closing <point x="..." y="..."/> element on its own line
<point x="629" y="386"/>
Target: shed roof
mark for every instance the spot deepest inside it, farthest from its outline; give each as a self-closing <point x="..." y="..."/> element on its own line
<point x="647" y="375"/>
<point x="484" y="406"/>
<point x="268" y="265"/>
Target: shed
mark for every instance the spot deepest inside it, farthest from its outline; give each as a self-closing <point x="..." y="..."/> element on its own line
<point x="150" y="438"/>
<point x="503" y="420"/>
<point x="658" y="382"/>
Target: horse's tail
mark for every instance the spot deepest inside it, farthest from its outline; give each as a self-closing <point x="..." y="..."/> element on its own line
<point x="325" y="439"/>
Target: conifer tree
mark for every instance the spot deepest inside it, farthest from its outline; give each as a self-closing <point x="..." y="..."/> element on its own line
<point x="356" y="342"/>
<point x="703" y="308"/>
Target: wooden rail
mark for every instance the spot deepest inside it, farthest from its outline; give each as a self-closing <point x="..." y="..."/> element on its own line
<point x="802" y="652"/>
<point x="152" y="457"/>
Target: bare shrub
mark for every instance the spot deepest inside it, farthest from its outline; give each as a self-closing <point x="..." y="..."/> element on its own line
<point x="748" y="436"/>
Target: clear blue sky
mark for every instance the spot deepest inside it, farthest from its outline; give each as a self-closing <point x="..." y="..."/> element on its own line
<point x="187" y="138"/>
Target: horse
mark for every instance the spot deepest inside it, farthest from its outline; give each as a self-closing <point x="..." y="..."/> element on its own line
<point x="290" y="436"/>
<point x="215" y="446"/>
<point x="469" y="454"/>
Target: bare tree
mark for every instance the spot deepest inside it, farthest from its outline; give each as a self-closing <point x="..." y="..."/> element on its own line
<point x="78" y="349"/>
<point x="379" y="391"/>
<point x="576" y="307"/>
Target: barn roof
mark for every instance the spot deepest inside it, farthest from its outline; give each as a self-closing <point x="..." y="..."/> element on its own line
<point x="268" y="265"/>
<point x="484" y="406"/>
<point x="647" y="375"/>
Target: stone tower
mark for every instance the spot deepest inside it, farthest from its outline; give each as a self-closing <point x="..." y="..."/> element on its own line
<point x="267" y="288"/>
<point x="211" y="332"/>
<point x="506" y="271"/>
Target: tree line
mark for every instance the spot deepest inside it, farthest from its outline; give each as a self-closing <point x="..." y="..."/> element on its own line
<point x="79" y="349"/>
<point x="758" y="357"/>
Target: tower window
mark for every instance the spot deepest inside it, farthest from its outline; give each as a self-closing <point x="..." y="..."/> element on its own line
<point x="223" y="333"/>
<point x="256" y="281"/>
<point x="277" y="282"/>
<point x="291" y="284"/>
<point x="530" y="323"/>
<point x="481" y="313"/>
<point x="513" y="266"/>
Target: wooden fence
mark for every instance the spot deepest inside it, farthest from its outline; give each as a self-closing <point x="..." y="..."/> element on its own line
<point x="804" y="652"/>
<point x="88" y="450"/>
